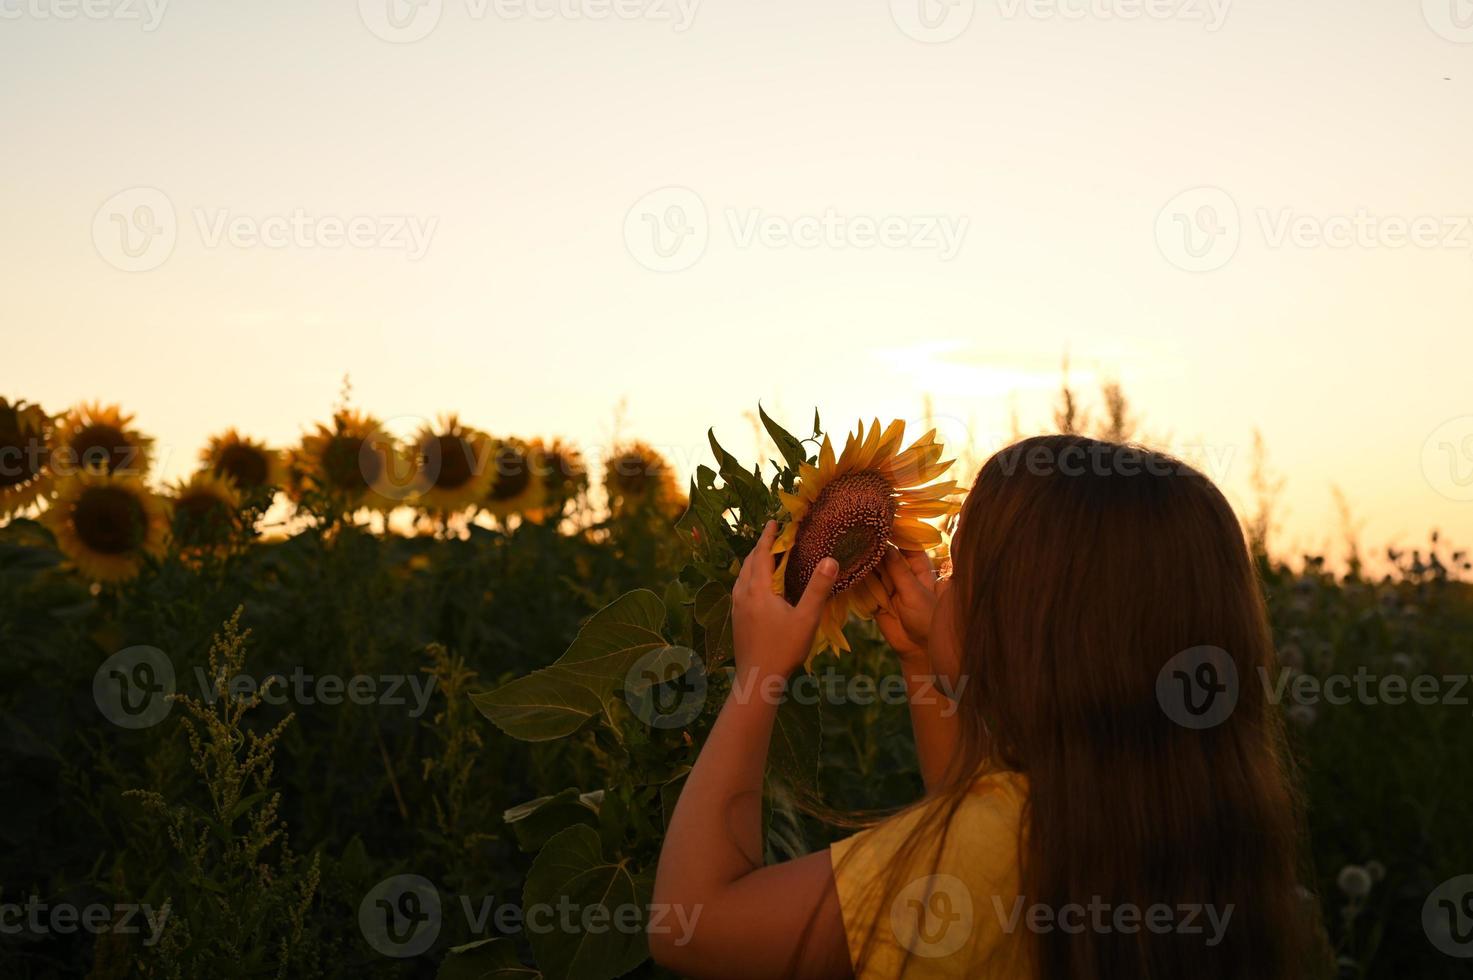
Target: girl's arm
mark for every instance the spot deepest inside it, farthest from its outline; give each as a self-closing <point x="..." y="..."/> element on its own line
<point x="906" y="624"/>
<point x="746" y="920"/>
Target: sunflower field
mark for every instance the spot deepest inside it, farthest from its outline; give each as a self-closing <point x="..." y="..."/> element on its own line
<point x="370" y="706"/>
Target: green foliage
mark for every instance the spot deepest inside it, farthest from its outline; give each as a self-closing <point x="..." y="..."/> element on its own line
<point x="263" y="825"/>
<point x="246" y="895"/>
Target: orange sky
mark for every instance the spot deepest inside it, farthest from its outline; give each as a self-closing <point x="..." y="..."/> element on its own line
<point x="1255" y="215"/>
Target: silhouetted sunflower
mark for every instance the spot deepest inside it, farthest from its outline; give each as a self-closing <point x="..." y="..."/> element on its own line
<point x="352" y="462"/>
<point x="94" y="437"/>
<point x="454" y="465"/>
<point x="638" y="478"/>
<point x="564" y="477"/>
<point x="25" y="455"/>
<point x="206" y="510"/>
<point x="516" y="487"/>
<point x="107" y="523"/>
<point x="850" y="508"/>
<point x="247" y="463"/>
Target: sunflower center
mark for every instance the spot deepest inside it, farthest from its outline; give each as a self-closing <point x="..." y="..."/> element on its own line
<point x="455" y="462"/>
<point x="512" y="474"/>
<point x="109" y="520"/>
<point x="850" y="522"/>
<point x="21" y="456"/>
<point x="102" y="446"/>
<point x="245" y="465"/>
<point x="351" y="464"/>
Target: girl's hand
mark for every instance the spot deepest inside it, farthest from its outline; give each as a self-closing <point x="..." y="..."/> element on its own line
<point x="911" y="582"/>
<point x="770" y="636"/>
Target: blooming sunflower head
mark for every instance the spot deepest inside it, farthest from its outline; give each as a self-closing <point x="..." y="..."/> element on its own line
<point x="851" y="507"/>
<point x="516" y="486"/>
<point x="351" y="462"/>
<point x="107" y="523"/>
<point x="564" y="477"/>
<point x="206" y="511"/>
<point x="97" y="437"/>
<point x="25" y="455"/>
<point x="638" y="478"/>
<point x="453" y="465"/>
<point x="245" y="462"/>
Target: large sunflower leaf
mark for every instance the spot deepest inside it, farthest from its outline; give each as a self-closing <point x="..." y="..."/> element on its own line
<point x="555" y="701"/>
<point x="571" y="871"/>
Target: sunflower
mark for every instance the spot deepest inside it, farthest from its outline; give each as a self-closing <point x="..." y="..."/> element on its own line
<point x="25" y="455"/>
<point x="850" y="508"/>
<point x="516" y="487"/>
<point x="206" y="510"/>
<point x="248" y="464"/>
<point x="353" y="463"/>
<point x="107" y="523"/>
<point x="452" y="465"/>
<point x="638" y="478"/>
<point x="93" y="437"/>
<point x="564" y="477"/>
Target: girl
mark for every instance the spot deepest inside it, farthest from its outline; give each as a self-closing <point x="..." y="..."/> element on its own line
<point x="1107" y="797"/>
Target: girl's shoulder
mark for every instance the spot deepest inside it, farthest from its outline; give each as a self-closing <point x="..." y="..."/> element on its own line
<point x="925" y="885"/>
<point x="987" y="817"/>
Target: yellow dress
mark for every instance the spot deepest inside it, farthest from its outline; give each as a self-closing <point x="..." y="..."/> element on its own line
<point x="952" y="916"/>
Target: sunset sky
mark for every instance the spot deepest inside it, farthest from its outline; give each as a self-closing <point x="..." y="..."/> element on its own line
<point x="1252" y="214"/>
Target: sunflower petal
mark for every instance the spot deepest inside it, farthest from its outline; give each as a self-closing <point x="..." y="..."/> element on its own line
<point x="914" y="534"/>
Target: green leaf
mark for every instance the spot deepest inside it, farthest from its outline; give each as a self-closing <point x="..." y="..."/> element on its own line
<point x="708" y="504"/>
<point x="713" y="611"/>
<point x="756" y="502"/>
<point x="787" y="443"/>
<point x="555" y="701"/>
<point x="485" y="959"/>
<point x="571" y="871"/>
<point x="535" y="821"/>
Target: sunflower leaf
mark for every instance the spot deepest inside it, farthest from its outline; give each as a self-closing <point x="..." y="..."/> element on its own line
<point x="756" y="501"/>
<point x="787" y="443"/>
<point x="537" y="821"/>
<point x="703" y="519"/>
<point x="556" y="700"/>
<point x="713" y="612"/>
<point x="571" y="868"/>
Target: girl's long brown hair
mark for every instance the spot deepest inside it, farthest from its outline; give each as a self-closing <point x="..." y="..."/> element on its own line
<point x="1080" y="568"/>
